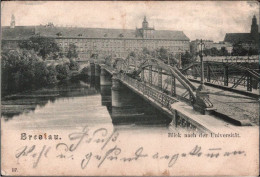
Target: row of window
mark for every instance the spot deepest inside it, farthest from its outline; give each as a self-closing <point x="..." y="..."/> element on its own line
<point x="122" y="49"/>
<point x="97" y="45"/>
<point x="120" y="42"/>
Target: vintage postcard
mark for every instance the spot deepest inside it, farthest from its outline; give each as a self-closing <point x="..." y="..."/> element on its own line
<point x="129" y="88"/>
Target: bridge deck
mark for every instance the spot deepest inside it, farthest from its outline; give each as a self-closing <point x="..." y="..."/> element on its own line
<point x="232" y="104"/>
<point x="209" y="122"/>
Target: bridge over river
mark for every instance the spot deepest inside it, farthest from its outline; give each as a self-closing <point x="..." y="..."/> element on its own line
<point x="171" y="92"/>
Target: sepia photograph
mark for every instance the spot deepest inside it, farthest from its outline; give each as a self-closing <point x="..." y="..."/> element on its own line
<point x="130" y="88"/>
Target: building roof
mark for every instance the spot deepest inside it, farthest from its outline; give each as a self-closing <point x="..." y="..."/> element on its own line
<point x="18" y="33"/>
<point x="23" y="32"/>
<point x="238" y="37"/>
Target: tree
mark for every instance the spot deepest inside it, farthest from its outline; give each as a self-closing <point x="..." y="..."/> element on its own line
<point x="239" y="50"/>
<point x="72" y="52"/>
<point x="132" y="54"/>
<point x="73" y="65"/>
<point x="163" y="54"/>
<point x="144" y="54"/>
<point x="62" y="72"/>
<point x="186" y="58"/>
<point x="252" y="51"/>
<point x="146" y="51"/>
<point x="223" y="51"/>
<point x="51" y="75"/>
<point x="215" y="52"/>
<point x="23" y="69"/>
<point x="43" y="46"/>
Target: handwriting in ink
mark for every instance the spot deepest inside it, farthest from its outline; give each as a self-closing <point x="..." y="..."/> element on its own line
<point x="115" y="154"/>
<point x="32" y="152"/>
<point x="100" y="135"/>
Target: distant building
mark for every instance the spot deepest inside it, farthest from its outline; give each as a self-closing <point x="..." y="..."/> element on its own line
<point x="228" y="46"/>
<point x="208" y="44"/>
<point x="246" y="39"/>
<point x="101" y="40"/>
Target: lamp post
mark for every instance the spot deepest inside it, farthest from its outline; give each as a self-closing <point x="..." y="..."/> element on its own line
<point x="201" y="47"/>
<point x="202" y="102"/>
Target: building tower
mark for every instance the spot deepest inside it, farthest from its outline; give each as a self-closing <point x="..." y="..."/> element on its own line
<point x="146" y="31"/>
<point x="254" y="28"/>
<point x="12" y="25"/>
<point x="145" y="23"/>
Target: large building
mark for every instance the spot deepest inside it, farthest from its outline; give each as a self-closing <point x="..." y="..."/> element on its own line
<point x="119" y="42"/>
<point x="246" y="39"/>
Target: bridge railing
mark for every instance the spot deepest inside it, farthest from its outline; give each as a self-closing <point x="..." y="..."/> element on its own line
<point x="164" y="100"/>
<point x="160" y="97"/>
<point x="232" y="59"/>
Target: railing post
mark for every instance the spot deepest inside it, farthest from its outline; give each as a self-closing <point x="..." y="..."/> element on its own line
<point x="173" y="86"/>
<point x="160" y="78"/>
<point x="249" y="82"/>
<point x="150" y="75"/>
<point x="225" y="75"/>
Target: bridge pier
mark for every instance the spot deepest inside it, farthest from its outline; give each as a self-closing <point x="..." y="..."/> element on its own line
<point x="105" y="91"/>
<point x="91" y="80"/>
<point x="97" y="70"/>
<point x="105" y="77"/>
<point x="91" y="70"/>
<point x="97" y="83"/>
<point x="117" y="89"/>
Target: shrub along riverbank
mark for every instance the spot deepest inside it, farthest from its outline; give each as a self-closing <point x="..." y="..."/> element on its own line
<point x="24" y="70"/>
<point x="27" y="67"/>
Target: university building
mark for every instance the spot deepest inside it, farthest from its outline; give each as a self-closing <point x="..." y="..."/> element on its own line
<point x="117" y="42"/>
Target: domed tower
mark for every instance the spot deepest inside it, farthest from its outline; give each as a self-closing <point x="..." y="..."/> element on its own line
<point x="145" y="23"/>
<point x="12" y="24"/>
<point x="254" y="28"/>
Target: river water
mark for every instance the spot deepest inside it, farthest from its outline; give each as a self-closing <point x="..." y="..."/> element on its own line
<point x="80" y="103"/>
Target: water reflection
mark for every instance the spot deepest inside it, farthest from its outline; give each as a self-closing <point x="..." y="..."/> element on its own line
<point x="133" y="109"/>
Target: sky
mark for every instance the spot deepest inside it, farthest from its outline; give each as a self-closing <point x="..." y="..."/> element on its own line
<point x="197" y="19"/>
